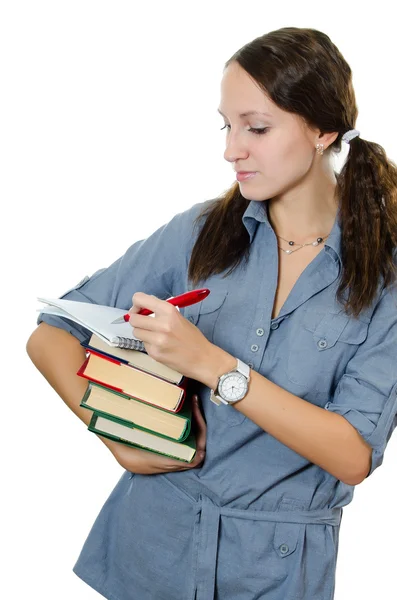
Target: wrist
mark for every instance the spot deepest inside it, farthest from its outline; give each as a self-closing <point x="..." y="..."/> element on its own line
<point x="218" y="362"/>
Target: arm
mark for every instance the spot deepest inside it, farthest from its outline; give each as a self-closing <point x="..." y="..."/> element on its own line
<point x="58" y="355"/>
<point x="347" y="437"/>
<point x="155" y="264"/>
<point x="325" y="438"/>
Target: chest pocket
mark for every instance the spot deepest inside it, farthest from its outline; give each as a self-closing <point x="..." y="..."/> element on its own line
<point x="205" y="314"/>
<point x="322" y="347"/>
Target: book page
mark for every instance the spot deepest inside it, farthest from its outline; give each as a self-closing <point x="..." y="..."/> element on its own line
<point x="144" y="439"/>
<point x="94" y="317"/>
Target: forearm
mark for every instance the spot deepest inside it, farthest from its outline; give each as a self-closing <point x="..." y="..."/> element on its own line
<point x="58" y="356"/>
<point x="324" y="438"/>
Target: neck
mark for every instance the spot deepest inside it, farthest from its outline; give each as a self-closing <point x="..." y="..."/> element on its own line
<point x="304" y="219"/>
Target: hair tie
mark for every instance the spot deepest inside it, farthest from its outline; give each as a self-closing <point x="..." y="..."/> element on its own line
<point x="349" y="135"/>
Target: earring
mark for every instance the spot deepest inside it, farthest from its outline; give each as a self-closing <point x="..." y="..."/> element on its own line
<point x="320" y="149"/>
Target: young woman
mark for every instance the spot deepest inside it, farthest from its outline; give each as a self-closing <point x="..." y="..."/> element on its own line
<point x="301" y="322"/>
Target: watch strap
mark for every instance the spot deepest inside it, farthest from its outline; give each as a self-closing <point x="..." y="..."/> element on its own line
<point x="243" y="368"/>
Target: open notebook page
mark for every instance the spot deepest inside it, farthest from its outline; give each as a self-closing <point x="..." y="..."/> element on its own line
<point x="94" y="317"/>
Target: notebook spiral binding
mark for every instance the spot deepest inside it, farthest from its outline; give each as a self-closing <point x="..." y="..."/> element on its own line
<point x="124" y="342"/>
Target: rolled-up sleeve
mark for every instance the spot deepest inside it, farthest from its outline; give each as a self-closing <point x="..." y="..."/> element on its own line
<point x="152" y="265"/>
<point x="367" y="392"/>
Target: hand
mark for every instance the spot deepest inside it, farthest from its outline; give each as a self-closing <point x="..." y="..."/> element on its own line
<point x="149" y="463"/>
<point x="171" y="339"/>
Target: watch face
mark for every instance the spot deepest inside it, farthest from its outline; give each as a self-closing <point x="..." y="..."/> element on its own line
<point x="233" y="387"/>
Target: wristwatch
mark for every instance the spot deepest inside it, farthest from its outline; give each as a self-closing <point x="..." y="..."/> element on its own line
<point x="233" y="385"/>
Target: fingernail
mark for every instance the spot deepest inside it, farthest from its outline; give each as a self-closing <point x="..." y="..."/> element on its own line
<point x="201" y="455"/>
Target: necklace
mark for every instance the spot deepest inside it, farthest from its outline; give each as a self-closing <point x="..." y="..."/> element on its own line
<point x="318" y="241"/>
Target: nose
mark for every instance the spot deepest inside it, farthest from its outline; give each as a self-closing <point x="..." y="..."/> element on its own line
<point x="235" y="148"/>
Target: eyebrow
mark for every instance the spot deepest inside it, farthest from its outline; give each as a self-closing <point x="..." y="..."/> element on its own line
<point x="248" y="113"/>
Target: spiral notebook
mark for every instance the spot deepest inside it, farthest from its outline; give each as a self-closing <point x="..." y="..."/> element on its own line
<point x="97" y="319"/>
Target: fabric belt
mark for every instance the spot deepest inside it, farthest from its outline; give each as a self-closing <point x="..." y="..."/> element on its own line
<point x="206" y="534"/>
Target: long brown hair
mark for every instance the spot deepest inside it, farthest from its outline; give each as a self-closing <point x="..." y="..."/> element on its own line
<point x="304" y="73"/>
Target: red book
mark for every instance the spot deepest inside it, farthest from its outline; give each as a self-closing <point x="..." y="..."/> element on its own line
<point x="132" y="382"/>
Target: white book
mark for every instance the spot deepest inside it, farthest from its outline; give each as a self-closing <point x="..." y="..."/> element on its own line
<point x="97" y="319"/>
<point x="181" y="450"/>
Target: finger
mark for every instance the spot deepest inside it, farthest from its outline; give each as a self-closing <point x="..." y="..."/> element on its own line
<point x="164" y="464"/>
<point x="179" y="465"/>
<point x="168" y="464"/>
<point x="198" y="413"/>
<point x="197" y="460"/>
<point x="191" y="465"/>
<point x="141" y="300"/>
<point x="143" y="322"/>
<point x="148" y="337"/>
<point x="201" y="427"/>
<point x="201" y="440"/>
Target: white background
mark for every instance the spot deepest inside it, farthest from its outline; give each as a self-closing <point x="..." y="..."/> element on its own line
<point x="108" y="128"/>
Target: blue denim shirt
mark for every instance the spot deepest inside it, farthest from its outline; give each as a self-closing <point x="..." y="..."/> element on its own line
<point x="257" y="520"/>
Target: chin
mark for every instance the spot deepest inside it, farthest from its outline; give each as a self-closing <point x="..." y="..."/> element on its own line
<point x="256" y="195"/>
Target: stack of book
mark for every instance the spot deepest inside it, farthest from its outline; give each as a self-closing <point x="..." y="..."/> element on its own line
<point x="137" y="401"/>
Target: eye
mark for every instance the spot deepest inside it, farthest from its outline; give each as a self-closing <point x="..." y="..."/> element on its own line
<point x="257" y="131"/>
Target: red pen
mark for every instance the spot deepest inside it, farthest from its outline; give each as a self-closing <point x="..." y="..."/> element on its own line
<point x="186" y="299"/>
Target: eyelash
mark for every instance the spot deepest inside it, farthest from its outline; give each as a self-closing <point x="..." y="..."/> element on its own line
<point x="252" y="129"/>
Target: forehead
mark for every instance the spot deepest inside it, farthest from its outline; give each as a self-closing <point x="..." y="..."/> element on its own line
<point x="241" y="93"/>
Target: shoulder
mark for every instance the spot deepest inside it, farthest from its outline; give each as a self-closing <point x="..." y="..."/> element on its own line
<point x="189" y="222"/>
<point x="198" y="211"/>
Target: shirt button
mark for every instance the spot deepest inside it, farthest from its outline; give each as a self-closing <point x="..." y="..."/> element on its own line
<point x="274" y="326"/>
<point x="284" y="549"/>
<point x="322" y="344"/>
<point x="260" y="331"/>
<point x="251" y="365"/>
<point x="254" y="348"/>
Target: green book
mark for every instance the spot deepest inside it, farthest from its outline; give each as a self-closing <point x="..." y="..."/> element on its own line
<point x="114" y="430"/>
<point x="131" y="412"/>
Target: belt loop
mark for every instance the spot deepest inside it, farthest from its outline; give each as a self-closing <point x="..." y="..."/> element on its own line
<point x="207" y="549"/>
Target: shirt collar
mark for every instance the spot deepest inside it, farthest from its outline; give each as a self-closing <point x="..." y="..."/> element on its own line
<point x="257" y="212"/>
<point x="334" y="239"/>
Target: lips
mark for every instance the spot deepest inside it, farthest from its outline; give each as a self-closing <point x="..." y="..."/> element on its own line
<point x="243" y="175"/>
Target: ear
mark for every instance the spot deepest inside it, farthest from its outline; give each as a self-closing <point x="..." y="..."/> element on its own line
<point x="327" y="139"/>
